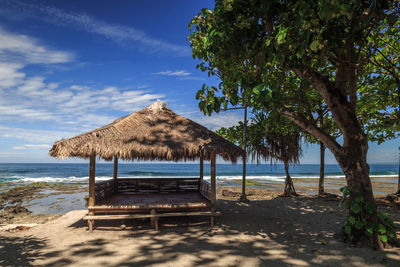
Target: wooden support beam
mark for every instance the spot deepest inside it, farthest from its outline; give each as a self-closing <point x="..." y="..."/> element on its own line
<point x="154" y="220"/>
<point x="92" y="174"/>
<point x="142" y="216"/>
<point x="213" y="181"/>
<point x="201" y="168"/>
<point x="115" y="174"/>
<point x="213" y="186"/>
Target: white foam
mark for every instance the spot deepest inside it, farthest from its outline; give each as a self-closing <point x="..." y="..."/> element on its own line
<point x="85" y="179"/>
<point x="71" y="179"/>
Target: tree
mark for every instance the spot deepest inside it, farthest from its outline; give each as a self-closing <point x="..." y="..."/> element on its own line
<point x="270" y="137"/>
<point x="384" y="72"/>
<point x="325" y="122"/>
<point x="289" y="53"/>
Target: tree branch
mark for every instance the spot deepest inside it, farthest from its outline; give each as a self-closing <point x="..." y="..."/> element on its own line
<point x="344" y="114"/>
<point x="312" y="129"/>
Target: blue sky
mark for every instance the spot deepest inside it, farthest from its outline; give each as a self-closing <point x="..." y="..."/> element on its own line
<point x="67" y="67"/>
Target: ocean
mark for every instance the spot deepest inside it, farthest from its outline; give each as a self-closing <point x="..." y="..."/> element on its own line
<point x="78" y="172"/>
<point x="269" y="177"/>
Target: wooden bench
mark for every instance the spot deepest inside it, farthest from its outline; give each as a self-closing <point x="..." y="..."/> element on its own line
<point x="153" y="215"/>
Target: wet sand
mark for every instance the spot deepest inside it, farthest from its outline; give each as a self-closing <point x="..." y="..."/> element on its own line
<point x="39" y="202"/>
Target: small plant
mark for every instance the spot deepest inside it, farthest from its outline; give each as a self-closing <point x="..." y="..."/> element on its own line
<point x="355" y="225"/>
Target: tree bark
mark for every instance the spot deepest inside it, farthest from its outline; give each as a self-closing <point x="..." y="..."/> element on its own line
<point x="353" y="162"/>
<point x="398" y="99"/>
<point x="398" y="180"/>
<point x="289" y="187"/>
<point x="352" y="155"/>
<point x="321" y="190"/>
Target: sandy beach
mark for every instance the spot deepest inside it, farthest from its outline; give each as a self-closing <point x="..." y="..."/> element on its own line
<point x="275" y="231"/>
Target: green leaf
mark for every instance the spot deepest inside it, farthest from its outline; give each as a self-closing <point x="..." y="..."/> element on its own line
<point x="225" y="104"/>
<point x="281" y="35"/>
<point x="369" y="231"/>
<point x="347" y="230"/>
<point x="359" y="225"/>
<point x="359" y="199"/>
<point x="384" y="238"/>
<point x="381" y="229"/>
<point x="257" y="89"/>
<point x="351" y="220"/>
<point x="314" y="45"/>
<point x="355" y="208"/>
<point x="369" y="208"/>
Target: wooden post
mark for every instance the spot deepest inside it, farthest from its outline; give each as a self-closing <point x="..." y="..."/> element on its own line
<point x="201" y="169"/>
<point x="92" y="173"/>
<point x="243" y="197"/>
<point x="115" y="175"/>
<point x="154" y="219"/>
<point x="213" y="186"/>
<point x="321" y="189"/>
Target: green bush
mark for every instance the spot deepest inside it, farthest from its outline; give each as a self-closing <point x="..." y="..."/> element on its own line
<point x="356" y="226"/>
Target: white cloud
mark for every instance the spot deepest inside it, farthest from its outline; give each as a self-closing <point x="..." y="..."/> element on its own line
<point x="79" y="87"/>
<point x="10" y="74"/>
<point x="24" y="49"/>
<point x="81" y="21"/>
<point x="173" y="73"/>
<point x="35" y="101"/>
<point x="44" y="106"/>
<point x="34" y="135"/>
<point x="192" y="78"/>
<point x="32" y="147"/>
<point x="17" y="51"/>
<point x="12" y="112"/>
<point x="218" y="120"/>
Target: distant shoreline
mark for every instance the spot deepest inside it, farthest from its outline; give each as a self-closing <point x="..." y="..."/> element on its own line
<point x="186" y="163"/>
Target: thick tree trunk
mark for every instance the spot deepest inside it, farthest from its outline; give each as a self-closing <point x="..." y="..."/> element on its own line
<point x="289" y="187"/>
<point x="321" y="190"/>
<point x="398" y="180"/>
<point x="353" y="162"/>
<point x="321" y="155"/>
<point x="398" y="101"/>
<point x="352" y="155"/>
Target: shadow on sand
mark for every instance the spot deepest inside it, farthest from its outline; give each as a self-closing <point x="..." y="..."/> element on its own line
<point x="16" y="251"/>
<point x="278" y="232"/>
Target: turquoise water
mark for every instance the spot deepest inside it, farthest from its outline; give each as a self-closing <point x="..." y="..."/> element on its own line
<point x="78" y="173"/>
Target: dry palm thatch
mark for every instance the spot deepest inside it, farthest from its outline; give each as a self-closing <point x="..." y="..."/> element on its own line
<point x="154" y="133"/>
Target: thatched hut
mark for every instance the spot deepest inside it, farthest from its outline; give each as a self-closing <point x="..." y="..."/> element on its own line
<point x="154" y="133"/>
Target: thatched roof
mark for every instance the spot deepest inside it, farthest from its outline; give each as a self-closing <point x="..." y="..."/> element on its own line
<point x="154" y="133"/>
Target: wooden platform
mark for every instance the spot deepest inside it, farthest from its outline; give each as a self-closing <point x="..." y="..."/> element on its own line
<point x="154" y="198"/>
<point x="147" y="201"/>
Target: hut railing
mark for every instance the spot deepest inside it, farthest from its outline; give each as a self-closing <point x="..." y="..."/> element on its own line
<point x="157" y="185"/>
<point x="205" y="189"/>
<point x="104" y="189"/>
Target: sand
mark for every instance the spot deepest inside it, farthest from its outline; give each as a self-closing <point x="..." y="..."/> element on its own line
<point x="301" y="231"/>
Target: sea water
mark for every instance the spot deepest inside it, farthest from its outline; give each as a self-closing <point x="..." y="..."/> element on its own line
<point x="384" y="177"/>
<point x="78" y="172"/>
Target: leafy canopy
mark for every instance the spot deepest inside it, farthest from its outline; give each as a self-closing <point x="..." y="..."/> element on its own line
<point x="265" y="51"/>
